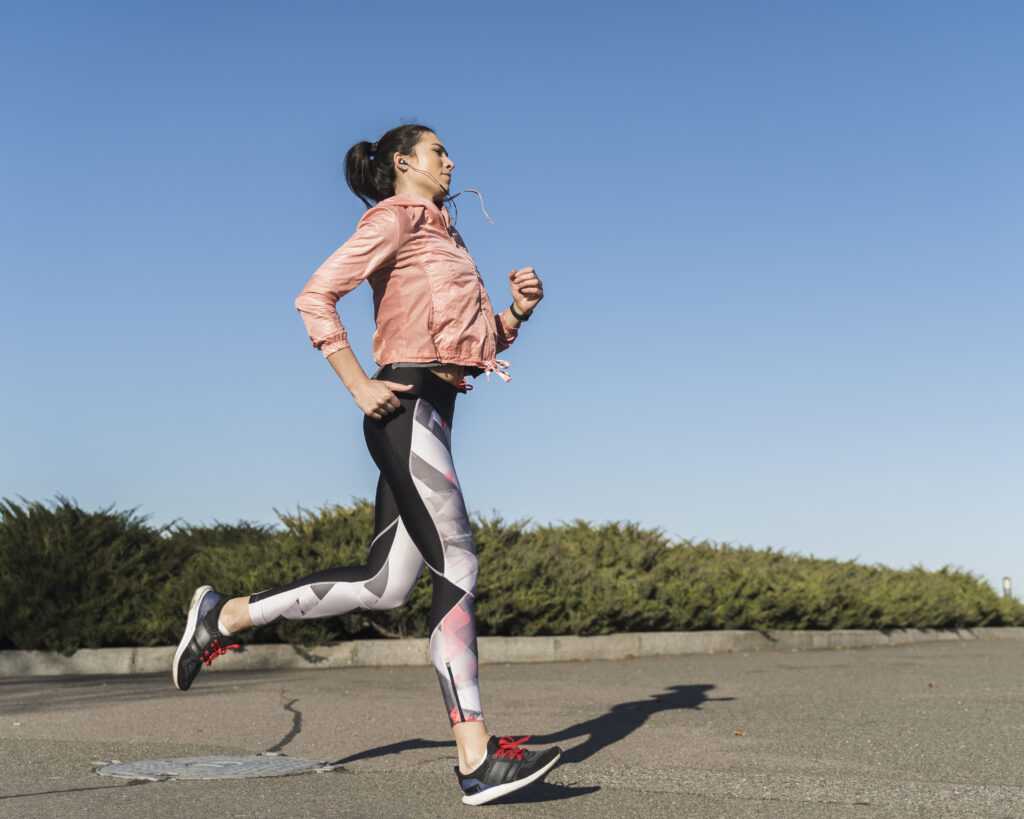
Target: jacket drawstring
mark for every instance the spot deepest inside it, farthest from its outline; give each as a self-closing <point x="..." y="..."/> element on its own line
<point x="498" y="367"/>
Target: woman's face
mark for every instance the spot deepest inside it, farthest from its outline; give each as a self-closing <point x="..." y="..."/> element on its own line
<point x="427" y="171"/>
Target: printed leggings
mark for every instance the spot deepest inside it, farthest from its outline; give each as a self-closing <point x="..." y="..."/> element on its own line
<point x="420" y="518"/>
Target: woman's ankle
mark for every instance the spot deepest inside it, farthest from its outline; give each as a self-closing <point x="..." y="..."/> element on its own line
<point x="234" y="616"/>
<point x="471" y="739"/>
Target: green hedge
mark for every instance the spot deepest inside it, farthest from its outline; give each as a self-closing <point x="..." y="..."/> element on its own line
<point x="71" y="578"/>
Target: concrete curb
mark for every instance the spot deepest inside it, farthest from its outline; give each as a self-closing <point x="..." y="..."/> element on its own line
<point x="361" y="653"/>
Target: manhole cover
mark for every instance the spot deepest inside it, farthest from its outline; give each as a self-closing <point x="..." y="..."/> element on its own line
<point x="214" y="767"/>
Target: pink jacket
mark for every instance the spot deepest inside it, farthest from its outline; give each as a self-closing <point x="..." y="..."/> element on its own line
<point x="428" y="298"/>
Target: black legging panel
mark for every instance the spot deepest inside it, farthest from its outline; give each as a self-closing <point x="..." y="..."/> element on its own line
<point x="420" y="517"/>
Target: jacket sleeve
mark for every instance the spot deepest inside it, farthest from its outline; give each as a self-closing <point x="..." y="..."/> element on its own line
<point x="374" y="245"/>
<point x="503" y="334"/>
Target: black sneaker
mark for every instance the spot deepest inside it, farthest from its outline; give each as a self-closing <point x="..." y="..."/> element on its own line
<point x="506" y="768"/>
<point x="202" y="641"/>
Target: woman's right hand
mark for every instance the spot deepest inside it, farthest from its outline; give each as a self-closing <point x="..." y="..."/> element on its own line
<point x="377" y="398"/>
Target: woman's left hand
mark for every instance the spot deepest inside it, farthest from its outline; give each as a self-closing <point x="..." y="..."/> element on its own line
<point x="527" y="288"/>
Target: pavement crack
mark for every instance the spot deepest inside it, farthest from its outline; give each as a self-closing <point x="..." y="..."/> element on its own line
<point x="295" y="729"/>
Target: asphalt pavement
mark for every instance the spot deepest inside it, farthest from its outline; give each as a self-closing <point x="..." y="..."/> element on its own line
<point x="932" y="729"/>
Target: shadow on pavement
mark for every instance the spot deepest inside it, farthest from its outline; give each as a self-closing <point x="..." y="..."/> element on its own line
<point x="623" y="719"/>
<point x="79" y="790"/>
<point x="607" y="729"/>
<point x="38" y="694"/>
<point x="396" y="748"/>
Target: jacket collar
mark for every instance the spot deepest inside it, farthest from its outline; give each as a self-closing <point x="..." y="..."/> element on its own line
<point x="434" y="211"/>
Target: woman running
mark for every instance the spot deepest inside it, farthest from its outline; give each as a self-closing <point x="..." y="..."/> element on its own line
<point x="435" y="326"/>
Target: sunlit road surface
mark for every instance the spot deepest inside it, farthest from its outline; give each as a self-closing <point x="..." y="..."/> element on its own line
<point x="924" y="730"/>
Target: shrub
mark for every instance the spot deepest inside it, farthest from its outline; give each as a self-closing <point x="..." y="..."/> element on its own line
<point x="70" y="578"/>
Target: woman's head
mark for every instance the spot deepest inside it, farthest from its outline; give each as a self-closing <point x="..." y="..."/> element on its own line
<point x="407" y="159"/>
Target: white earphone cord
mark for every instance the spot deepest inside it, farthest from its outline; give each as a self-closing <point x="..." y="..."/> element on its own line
<point x="449" y="196"/>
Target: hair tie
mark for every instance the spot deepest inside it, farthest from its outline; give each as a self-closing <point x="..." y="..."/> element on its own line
<point x="373" y="148"/>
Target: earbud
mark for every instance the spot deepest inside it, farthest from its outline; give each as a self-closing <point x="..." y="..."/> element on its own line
<point x="414" y="168"/>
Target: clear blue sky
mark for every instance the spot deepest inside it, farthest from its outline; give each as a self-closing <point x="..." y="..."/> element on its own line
<point x="781" y="243"/>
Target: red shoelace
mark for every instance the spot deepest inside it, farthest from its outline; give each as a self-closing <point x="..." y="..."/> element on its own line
<point x="215" y="650"/>
<point x="508" y="748"/>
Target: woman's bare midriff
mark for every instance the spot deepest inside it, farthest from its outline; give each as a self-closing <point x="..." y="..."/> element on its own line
<point x="449" y="373"/>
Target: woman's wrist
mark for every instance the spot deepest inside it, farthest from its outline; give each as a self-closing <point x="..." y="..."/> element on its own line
<point x="520" y="315"/>
<point x="347" y="367"/>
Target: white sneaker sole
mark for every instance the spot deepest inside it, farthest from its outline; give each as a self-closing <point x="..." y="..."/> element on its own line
<point x="190" y="628"/>
<point x="500" y="790"/>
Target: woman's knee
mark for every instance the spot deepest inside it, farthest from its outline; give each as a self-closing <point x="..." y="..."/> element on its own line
<point x="394" y="596"/>
<point x="394" y="599"/>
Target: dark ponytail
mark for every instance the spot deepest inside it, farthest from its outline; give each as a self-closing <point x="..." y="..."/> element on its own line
<point x="369" y="169"/>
